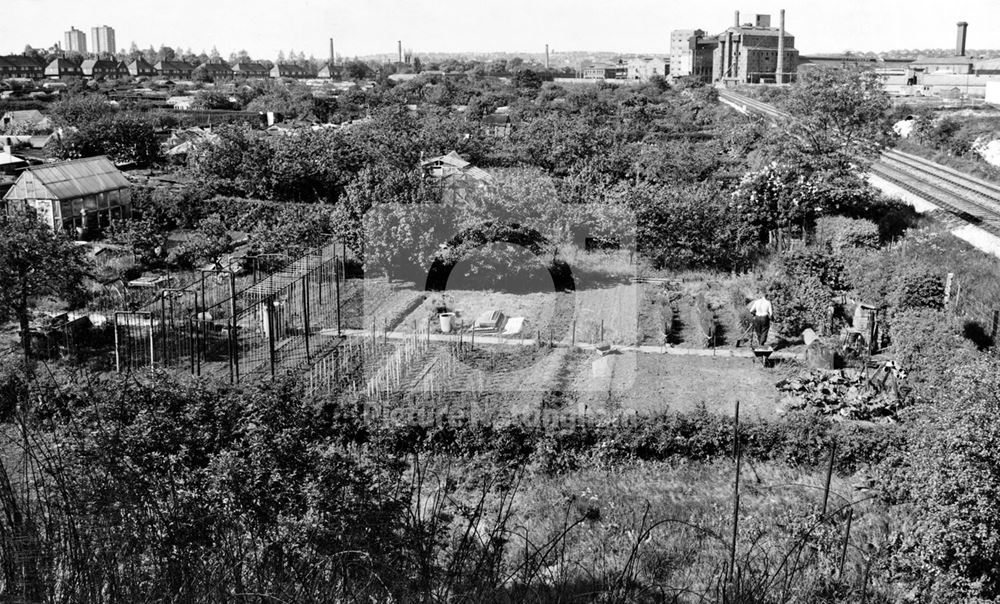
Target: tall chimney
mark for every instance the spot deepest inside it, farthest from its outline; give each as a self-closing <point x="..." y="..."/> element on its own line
<point x="546" y="56"/>
<point x="779" y="75"/>
<point x="333" y="57"/>
<point x="400" y="44"/>
<point x="960" y="43"/>
<point x="736" y="22"/>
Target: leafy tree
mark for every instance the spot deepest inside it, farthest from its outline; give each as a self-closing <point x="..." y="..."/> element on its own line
<point x="81" y="110"/>
<point x="125" y="137"/>
<point x="143" y="236"/>
<point x="35" y="261"/>
<point x="212" y="99"/>
<point x="841" y="116"/>
<point x="208" y="243"/>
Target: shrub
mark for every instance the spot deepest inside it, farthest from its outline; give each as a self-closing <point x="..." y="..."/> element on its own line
<point x="916" y="287"/>
<point x="812" y="262"/>
<point x="799" y="302"/>
<point x="951" y="477"/>
<point x="926" y="343"/>
<point x="838" y="233"/>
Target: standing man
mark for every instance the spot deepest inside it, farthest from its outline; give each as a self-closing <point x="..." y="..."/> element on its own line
<point x="762" y="312"/>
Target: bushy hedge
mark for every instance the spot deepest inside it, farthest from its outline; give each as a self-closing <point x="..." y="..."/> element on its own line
<point x="569" y="443"/>
<point x="838" y="233"/>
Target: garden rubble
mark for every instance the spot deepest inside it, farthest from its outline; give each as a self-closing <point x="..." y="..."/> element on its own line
<point x="842" y="394"/>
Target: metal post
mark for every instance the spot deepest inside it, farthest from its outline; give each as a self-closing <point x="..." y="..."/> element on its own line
<point x="270" y="332"/>
<point x="118" y="360"/>
<point x="305" y="311"/>
<point x="234" y="343"/>
<point x="847" y="539"/>
<point x="163" y="326"/>
<point x="737" y="454"/>
<point x="336" y="280"/>
<point x="829" y="475"/>
<point x="151" y="344"/>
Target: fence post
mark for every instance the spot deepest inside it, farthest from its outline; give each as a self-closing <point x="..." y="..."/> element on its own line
<point x="163" y="327"/>
<point x="234" y="343"/>
<point x="336" y="282"/>
<point x="305" y="311"/>
<point x="829" y="474"/>
<point x="269" y="305"/>
<point x="118" y="359"/>
<point x="847" y="538"/>
<point x="737" y="455"/>
<point x="995" y="327"/>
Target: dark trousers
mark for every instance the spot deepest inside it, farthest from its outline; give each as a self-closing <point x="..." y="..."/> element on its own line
<point x="761" y="325"/>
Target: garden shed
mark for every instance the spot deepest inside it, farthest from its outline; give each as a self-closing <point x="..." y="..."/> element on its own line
<point x="81" y="193"/>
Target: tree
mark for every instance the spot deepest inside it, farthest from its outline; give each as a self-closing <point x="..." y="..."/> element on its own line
<point x="35" y="261"/>
<point x="208" y="243"/>
<point x="841" y="116"/>
<point x="80" y="110"/>
<point x="126" y="137"/>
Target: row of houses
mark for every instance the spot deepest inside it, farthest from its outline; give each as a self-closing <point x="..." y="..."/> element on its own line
<point x="35" y="68"/>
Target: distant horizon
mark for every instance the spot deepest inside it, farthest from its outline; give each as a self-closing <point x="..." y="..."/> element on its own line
<point x="372" y="28"/>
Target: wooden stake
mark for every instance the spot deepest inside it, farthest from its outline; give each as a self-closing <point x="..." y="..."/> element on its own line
<point x="736" y="490"/>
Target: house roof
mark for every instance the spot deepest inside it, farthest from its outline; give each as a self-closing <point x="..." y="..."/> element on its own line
<point x="216" y="68"/>
<point x="63" y="64"/>
<point x="173" y="66"/>
<point x="29" y="116"/>
<point x="77" y="178"/>
<point x="257" y="67"/>
<point x="141" y="63"/>
<point x="23" y="61"/>
<point x="452" y="159"/>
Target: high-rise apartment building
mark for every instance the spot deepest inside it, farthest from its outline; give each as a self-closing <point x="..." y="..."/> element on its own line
<point x="76" y="40"/>
<point x="102" y="40"/>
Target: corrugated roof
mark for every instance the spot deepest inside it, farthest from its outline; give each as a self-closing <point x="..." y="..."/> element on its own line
<point x="80" y="177"/>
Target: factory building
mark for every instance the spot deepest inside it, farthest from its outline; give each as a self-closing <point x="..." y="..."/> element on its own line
<point x="755" y="53"/>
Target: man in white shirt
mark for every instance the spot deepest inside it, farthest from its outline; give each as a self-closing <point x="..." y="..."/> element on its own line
<point x="762" y="312"/>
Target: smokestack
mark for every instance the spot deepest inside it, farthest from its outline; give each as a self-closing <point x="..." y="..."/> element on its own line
<point x="333" y="57"/>
<point x="779" y="75"/>
<point x="736" y="22"/>
<point x="400" y="43"/>
<point x="960" y="43"/>
<point x="546" y="56"/>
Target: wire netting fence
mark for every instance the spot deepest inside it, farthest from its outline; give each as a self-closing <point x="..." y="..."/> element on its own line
<point x="212" y="326"/>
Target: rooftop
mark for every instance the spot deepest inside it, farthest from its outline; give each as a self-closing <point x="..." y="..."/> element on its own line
<point x="78" y="177"/>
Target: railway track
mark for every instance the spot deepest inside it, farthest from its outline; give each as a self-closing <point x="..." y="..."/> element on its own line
<point x="971" y="199"/>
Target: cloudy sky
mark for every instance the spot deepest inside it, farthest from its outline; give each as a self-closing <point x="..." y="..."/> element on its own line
<point x="362" y="27"/>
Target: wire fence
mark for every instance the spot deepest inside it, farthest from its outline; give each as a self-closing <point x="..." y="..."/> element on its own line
<point x="213" y="327"/>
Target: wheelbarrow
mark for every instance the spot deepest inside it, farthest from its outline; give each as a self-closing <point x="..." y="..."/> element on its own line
<point x="764" y="354"/>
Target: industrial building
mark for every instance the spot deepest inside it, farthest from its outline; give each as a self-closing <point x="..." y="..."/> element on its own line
<point x="755" y="53"/>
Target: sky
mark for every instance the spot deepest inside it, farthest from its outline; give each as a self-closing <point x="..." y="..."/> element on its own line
<point x="365" y="27"/>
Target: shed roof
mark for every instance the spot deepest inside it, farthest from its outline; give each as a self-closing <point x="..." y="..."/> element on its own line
<point x="77" y="178"/>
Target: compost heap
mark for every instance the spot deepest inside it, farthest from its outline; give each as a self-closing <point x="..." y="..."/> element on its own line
<point x="841" y="394"/>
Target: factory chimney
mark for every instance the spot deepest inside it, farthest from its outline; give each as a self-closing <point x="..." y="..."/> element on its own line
<point x="333" y="57"/>
<point x="400" y="44"/>
<point x="546" y="56"/>
<point x="736" y="22"/>
<point x="960" y="43"/>
<point x="780" y="71"/>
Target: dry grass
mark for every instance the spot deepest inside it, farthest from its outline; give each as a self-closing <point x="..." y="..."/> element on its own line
<point x="651" y="383"/>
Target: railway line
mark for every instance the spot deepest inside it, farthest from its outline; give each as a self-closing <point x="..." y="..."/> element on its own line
<point x="970" y="199"/>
